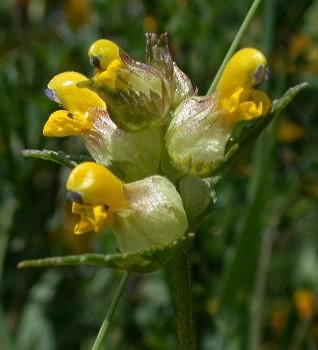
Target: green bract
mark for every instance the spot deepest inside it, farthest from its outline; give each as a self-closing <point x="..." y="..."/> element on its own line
<point x="197" y="136"/>
<point x="154" y="217"/>
<point x="131" y="156"/>
<point x="146" y="260"/>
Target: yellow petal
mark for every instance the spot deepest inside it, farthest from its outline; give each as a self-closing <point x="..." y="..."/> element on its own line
<point x="258" y="97"/>
<point x="244" y="68"/>
<point x="97" y="185"/>
<point x="65" y="90"/>
<point x="240" y="107"/>
<point x="249" y="110"/>
<point x="63" y="123"/>
<point x="258" y="105"/>
<point x="232" y="103"/>
<point x="83" y="226"/>
<point x="108" y="77"/>
<point x="102" y="52"/>
<point x="92" y="218"/>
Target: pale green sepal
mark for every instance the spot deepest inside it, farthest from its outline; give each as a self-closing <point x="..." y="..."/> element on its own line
<point x="154" y="215"/>
<point x="131" y="156"/>
<point x="197" y="136"/>
<point x="141" y="261"/>
<point x="182" y="86"/>
<point x="158" y="55"/>
<point x="197" y="195"/>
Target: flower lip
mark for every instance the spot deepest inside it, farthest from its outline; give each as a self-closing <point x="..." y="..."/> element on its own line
<point x="73" y="196"/>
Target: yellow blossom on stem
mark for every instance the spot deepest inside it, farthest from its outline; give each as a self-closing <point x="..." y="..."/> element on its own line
<point x="139" y="95"/>
<point x="201" y="126"/>
<point x="144" y="214"/>
<point x="96" y="192"/>
<point x="104" y="56"/>
<point x="236" y="89"/>
<point x="92" y="218"/>
<point x="78" y="102"/>
<point x="85" y="114"/>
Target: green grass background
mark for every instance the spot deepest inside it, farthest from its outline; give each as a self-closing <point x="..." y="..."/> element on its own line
<point x="267" y="204"/>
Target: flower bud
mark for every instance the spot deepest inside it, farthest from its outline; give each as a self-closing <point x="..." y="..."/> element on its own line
<point x="145" y="214"/>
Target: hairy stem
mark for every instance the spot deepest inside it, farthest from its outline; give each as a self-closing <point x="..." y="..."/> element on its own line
<point x="186" y="329"/>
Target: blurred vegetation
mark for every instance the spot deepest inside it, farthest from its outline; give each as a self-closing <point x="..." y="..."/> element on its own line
<point x="255" y="258"/>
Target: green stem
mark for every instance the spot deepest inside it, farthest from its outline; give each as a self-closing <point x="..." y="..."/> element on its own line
<point x="186" y="330"/>
<point x="234" y="44"/>
<point x="107" y="322"/>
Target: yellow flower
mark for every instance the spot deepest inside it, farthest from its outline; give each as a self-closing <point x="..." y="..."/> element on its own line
<point x="85" y="114"/>
<point x="79" y="104"/>
<point x="304" y="300"/>
<point x="138" y="95"/>
<point x="95" y="198"/>
<point x="143" y="214"/>
<point x="236" y="93"/>
<point x="201" y="126"/>
<point x="104" y="56"/>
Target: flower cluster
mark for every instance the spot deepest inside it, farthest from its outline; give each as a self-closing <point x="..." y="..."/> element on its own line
<point x="146" y="128"/>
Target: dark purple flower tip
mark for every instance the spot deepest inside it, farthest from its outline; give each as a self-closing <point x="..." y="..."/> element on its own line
<point x="50" y="94"/>
<point x="260" y="74"/>
<point x="73" y="197"/>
